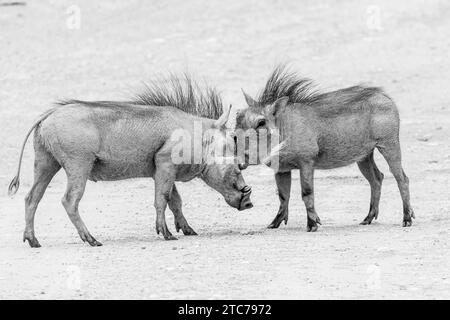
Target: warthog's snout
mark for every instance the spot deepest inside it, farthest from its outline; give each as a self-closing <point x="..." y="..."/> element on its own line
<point x="246" y="203"/>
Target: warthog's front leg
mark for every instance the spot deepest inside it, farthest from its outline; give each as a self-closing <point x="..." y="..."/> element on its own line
<point x="283" y="180"/>
<point x="307" y="183"/>
<point x="180" y="221"/>
<point x="164" y="183"/>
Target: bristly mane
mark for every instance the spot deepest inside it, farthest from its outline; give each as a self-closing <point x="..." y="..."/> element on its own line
<point x="284" y="83"/>
<point x="182" y="93"/>
<point x="172" y="91"/>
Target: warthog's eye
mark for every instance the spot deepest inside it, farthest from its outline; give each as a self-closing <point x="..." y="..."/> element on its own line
<point x="261" y="123"/>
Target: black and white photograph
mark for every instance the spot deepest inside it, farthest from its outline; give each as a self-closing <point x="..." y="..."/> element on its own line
<point x="236" y="151"/>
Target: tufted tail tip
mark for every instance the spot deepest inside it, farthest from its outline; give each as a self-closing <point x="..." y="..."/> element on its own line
<point x="13" y="186"/>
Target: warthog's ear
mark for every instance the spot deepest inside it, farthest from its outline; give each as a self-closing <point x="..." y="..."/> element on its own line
<point x="248" y="99"/>
<point x="222" y="121"/>
<point x="278" y="106"/>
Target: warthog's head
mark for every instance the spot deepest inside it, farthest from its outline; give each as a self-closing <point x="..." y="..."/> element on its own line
<point x="228" y="180"/>
<point x="260" y="116"/>
<point x="262" y="119"/>
<point x="222" y="171"/>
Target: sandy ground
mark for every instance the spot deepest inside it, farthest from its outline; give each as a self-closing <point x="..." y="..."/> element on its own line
<point x="400" y="45"/>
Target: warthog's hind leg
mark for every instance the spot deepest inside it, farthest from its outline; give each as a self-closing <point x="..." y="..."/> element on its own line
<point x="283" y="180"/>
<point x="77" y="175"/>
<point x="391" y="152"/>
<point x="307" y="183"/>
<point x="175" y="205"/>
<point x="370" y="171"/>
<point x="45" y="168"/>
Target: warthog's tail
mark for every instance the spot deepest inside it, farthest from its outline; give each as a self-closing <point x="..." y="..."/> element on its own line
<point x="15" y="183"/>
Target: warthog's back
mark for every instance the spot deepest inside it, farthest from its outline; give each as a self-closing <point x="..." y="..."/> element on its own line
<point x="119" y="139"/>
<point x="346" y="124"/>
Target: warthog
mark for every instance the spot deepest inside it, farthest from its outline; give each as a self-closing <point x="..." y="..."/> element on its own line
<point x="325" y="131"/>
<point x="105" y="140"/>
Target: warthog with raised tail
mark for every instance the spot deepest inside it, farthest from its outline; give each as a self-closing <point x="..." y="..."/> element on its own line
<point x="105" y="140"/>
<point x="325" y="131"/>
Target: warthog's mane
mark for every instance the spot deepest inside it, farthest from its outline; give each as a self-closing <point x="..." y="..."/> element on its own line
<point x="183" y="93"/>
<point x="285" y="83"/>
<point x="180" y="92"/>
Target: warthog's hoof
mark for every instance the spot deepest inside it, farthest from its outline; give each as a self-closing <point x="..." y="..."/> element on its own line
<point x="279" y="218"/>
<point x="91" y="240"/>
<point x="32" y="241"/>
<point x="187" y="230"/>
<point x="170" y="237"/>
<point x="407" y="223"/>
<point x="407" y="218"/>
<point x="165" y="231"/>
<point x="312" y="224"/>
<point x="368" y="220"/>
<point x="95" y="243"/>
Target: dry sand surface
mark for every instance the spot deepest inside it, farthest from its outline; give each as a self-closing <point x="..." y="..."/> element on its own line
<point x="400" y="45"/>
